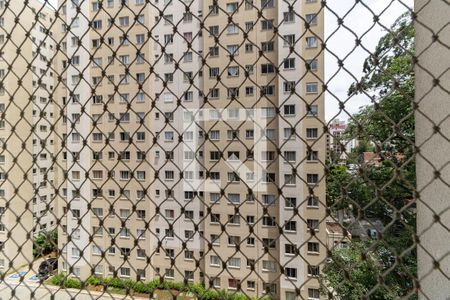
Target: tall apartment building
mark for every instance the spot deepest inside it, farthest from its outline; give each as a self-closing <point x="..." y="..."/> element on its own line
<point x="178" y="193"/>
<point x="104" y="131"/>
<point x="156" y="176"/>
<point x="262" y="70"/>
<point x="338" y="147"/>
<point x="26" y="104"/>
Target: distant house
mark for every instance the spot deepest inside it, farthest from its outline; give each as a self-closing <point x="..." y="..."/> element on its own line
<point x="371" y="159"/>
<point x="337" y="236"/>
<point x="365" y="229"/>
<point x="338" y="147"/>
<point x="376" y="158"/>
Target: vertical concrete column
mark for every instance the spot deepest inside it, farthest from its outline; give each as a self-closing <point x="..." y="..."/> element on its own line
<point x="433" y="142"/>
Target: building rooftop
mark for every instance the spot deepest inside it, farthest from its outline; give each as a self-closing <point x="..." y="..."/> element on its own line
<point x="334" y="227"/>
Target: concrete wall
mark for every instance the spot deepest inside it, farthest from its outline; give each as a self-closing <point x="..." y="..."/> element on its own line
<point x="433" y="110"/>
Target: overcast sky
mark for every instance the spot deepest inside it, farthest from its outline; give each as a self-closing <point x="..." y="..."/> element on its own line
<point x="341" y="42"/>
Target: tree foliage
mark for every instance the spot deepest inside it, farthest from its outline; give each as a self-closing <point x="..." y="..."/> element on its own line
<point x="389" y="81"/>
<point x="45" y="243"/>
<point x="354" y="274"/>
<point x="380" y="192"/>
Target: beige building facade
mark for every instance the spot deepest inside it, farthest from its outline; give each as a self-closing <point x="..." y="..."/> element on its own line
<point x="26" y="102"/>
<point x="106" y="135"/>
<point x="257" y="224"/>
<point x="179" y="144"/>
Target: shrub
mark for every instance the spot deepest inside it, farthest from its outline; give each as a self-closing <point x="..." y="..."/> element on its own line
<point x="94" y="280"/>
<point x="71" y="283"/>
<point x="209" y="295"/>
<point x="58" y="279"/>
<point x="44" y="243"/>
<point x="153" y="285"/>
<point x="197" y="288"/>
<point x="140" y="287"/>
<point x="179" y="286"/>
<point x="128" y="284"/>
<point x="116" y="283"/>
<point x="238" y="296"/>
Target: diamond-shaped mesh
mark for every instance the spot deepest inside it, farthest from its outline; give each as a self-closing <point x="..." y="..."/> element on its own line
<point x="206" y="149"/>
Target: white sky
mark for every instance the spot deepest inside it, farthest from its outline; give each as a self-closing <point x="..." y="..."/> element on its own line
<point x="359" y="18"/>
<point x="342" y="42"/>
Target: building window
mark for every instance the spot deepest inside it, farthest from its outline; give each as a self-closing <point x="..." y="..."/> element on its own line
<point x="266" y="24"/>
<point x="312" y="133"/>
<point x="289" y="40"/>
<point x="168" y="39"/>
<point x="169" y="273"/>
<point x="269" y="243"/>
<point x="313" y="247"/>
<point x="214" y="51"/>
<point x="290" y="249"/>
<point x="234" y="240"/>
<point x="233" y="71"/>
<point x="248" y="26"/>
<point x="267" y="46"/>
<point x="313" y="110"/>
<point x="234" y="219"/>
<point x="187" y="36"/>
<point x="289" y="17"/>
<point x="268" y="199"/>
<point x="312" y="155"/>
<point x="213" y="10"/>
<point x="313" y="270"/>
<point x="267" y="4"/>
<point x="233" y="283"/>
<point x="269" y="266"/>
<point x="291" y="296"/>
<point x="140" y="253"/>
<point x="187" y="17"/>
<point x="291" y="273"/>
<point x="124" y="21"/>
<point x="311" y="19"/>
<point x="269" y="221"/>
<point x="170" y="253"/>
<point x="312" y="201"/>
<point x="290" y="202"/>
<point x="140" y="274"/>
<point x="215" y="239"/>
<point x="125" y="272"/>
<point x="267" y="68"/>
<point x="311" y="64"/>
<point x="270" y="288"/>
<point x="234" y="263"/>
<point x="312" y="178"/>
<point x="311" y="42"/>
<point x="289" y="63"/>
<point x="313" y="224"/>
<point x="312" y="88"/>
<point x="290" y="226"/>
<point x="233" y="49"/>
<point x="232" y="7"/>
<point x="313" y="294"/>
<point x="214" y="30"/>
<point x="289" y="110"/>
<point x="234" y="198"/>
<point x="232" y="29"/>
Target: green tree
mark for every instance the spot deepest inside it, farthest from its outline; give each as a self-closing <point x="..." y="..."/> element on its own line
<point x="383" y="192"/>
<point x="45" y="243"/>
<point x="389" y="81"/>
<point x="344" y="189"/>
<point x="354" y="274"/>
